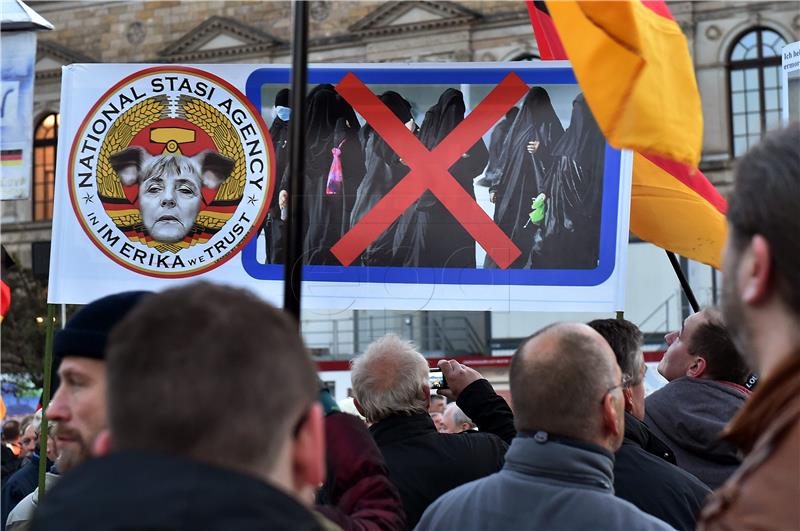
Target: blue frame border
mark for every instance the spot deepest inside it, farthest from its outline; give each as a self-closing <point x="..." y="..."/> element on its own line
<point x="487" y="277"/>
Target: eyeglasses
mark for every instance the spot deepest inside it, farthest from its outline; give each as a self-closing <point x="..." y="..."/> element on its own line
<point x="624" y="383"/>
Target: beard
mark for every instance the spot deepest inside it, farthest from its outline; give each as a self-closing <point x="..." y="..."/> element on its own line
<point x="75" y="453"/>
<point x="733" y="314"/>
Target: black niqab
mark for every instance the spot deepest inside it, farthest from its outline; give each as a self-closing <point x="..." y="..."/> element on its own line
<point x="274" y="226"/>
<point x="570" y="235"/>
<point x="427" y="234"/>
<point x="496" y="142"/>
<point x="383" y="170"/>
<point x="331" y="122"/>
<point x="521" y="174"/>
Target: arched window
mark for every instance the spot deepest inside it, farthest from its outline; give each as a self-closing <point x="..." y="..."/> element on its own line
<point x="45" y="140"/>
<point x="754" y="69"/>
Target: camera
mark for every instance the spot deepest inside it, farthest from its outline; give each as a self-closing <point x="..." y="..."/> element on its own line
<point x="437" y="379"/>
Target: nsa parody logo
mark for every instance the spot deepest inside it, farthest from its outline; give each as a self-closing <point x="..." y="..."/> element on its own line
<point x="171" y="172"/>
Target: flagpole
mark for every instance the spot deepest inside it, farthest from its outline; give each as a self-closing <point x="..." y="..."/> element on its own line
<point x="48" y="368"/>
<point x="687" y="290"/>
<point x="293" y="267"/>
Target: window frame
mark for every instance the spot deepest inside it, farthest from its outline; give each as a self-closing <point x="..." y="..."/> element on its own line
<point x="760" y="63"/>
<point x="43" y="144"/>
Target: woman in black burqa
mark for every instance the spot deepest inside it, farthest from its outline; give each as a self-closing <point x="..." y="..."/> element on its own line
<point x="330" y="123"/>
<point x="274" y="228"/>
<point x="526" y="157"/>
<point x="428" y="235"/>
<point x="569" y="237"/>
<point x="496" y="142"/>
<point x="383" y="170"/>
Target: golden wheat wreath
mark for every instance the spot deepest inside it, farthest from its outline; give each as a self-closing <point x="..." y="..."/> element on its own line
<point x="199" y="113"/>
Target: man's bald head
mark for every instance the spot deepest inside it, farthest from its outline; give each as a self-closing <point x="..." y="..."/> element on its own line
<point x="559" y="378"/>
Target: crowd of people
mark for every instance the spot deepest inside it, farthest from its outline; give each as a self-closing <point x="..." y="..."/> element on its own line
<point x="200" y="408"/>
<point x="545" y="182"/>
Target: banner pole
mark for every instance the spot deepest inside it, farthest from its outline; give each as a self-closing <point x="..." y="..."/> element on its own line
<point x="293" y="267"/>
<point x="47" y="368"/>
<point x="687" y="290"/>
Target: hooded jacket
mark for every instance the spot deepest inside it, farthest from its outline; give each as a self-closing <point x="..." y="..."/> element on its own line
<point x="544" y="484"/>
<point x="689" y="414"/>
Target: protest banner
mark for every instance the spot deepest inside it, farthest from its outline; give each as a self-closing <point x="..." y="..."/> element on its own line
<point x="16" y="111"/>
<point x="468" y="186"/>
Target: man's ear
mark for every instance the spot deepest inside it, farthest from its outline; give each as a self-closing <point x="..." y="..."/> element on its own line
<point x="627" y="393"/>
<point x="755" y="271"/>
<point x="697" y="368"/>
<point x="128" y="163"/>
<point x="103" y="444"/>
<point x="426" y="395"/>
<point x="612" y="424"/>
<point x="214" y="168"/>
<point x="308" y="451"/>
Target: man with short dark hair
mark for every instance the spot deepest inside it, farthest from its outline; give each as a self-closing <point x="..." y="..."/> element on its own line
<point x="644" y="468"/>
<point x="180" y="358"/>
<point x="391" y="387"/>
<point x="706" y="374"/>
<point x="569" y="412"/>
<point x="761" y="305"/>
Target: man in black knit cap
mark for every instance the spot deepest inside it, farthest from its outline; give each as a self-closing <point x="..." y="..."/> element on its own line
<point x="79" y="403"/>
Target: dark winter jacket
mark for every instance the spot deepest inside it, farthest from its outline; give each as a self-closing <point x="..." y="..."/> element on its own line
<point x="689" y="414"/>
<point x="644" y="476"/>
<point x="136" y="490"/>
<point x="424" y="464"/>
<point x="546" y="483"/>
<point x="19" y="485"/>
<point x="358" y="494"/>
<point x="10" y="462"/>
<point x="488" y="410"/>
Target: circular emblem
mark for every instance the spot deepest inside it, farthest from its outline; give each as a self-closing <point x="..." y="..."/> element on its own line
<point x="171" y="172"/>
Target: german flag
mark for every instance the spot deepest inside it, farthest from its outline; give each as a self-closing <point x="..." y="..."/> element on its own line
<point x="550" y="47"/>
<point x="633" y="65"/>
<point x="11" y="157"/>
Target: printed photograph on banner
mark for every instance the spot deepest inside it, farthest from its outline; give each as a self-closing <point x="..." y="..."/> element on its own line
<point x="536" y="173"/>
<point x="171" y="172"/>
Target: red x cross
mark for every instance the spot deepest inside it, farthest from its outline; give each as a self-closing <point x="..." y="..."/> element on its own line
<point x="429" y="170"/>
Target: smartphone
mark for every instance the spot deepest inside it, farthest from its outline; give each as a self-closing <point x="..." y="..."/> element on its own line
<point x="437" y="380"/>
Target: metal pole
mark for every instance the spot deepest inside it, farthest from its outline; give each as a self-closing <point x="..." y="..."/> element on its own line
<point x="687" y="290"/>
<point x="48" y="367"/>
<point x="293" y="267"/>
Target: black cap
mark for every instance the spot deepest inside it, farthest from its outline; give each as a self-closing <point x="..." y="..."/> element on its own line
<point x="87" y="332"/>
